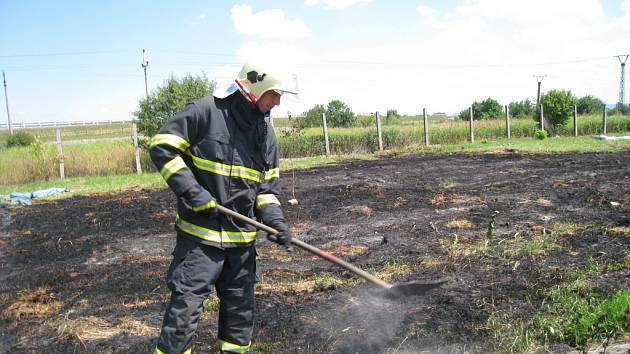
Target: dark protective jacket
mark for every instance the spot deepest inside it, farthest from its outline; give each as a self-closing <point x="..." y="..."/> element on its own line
<point x="220" y="150"/>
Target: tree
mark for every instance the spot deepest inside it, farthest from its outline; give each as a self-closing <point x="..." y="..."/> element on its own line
<point x="312" y="117"/>
<point x="486" y="109"/>
<point x="557" y="107"/>
<point x="489" y="109"/>
<point x="392" y="117"/>
<point x="589" y="104"/>
<point x="169" y="99"/>
<point x="521" y="109"/>
<point x="338" y="114"/>
<point x="620" y="108"/>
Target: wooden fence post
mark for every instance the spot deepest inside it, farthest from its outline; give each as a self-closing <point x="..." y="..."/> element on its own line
<point x="134" y="136"/>
<point x="378" y="130"/>
<point x="471" y="125"/>
<point x="60" y="154"/>
<point x="604" y="118"/>
<point x="507" y="122"/>
<point x="426" y="127"/>
<point x="575" y="127"/>
<point x="326" y="134"/>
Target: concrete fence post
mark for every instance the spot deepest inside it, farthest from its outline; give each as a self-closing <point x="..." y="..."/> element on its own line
<point x="471" y="127"/>
<point x="604" y="119"/>
<point x="60" y="154"/>
<point x="134" y="136"/>
<point x="379" y="132"/>
<point x="326" y="142"/>
<point x="508" y="131"/>
<point x="575" y="127"/>
<point x="426" y="127"/>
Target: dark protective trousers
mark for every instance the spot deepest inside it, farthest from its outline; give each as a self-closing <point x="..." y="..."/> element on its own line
<point x="194" y="270"/>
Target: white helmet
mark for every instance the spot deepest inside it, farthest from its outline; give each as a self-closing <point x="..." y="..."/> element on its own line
<point x="254" y="80"/>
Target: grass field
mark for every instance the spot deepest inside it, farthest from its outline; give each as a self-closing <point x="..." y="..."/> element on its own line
<point x="77" y="133"/>
<point x="151" y="179"/>
<point x="104" y="157"/>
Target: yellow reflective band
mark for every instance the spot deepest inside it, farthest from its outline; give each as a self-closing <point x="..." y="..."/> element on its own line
<point x="157" y="351"/>
<point x="187" y="351"/>
<point x="209" y="205"/>
<point x="234" y="348"/>
<point x="273" y="173"/>
<point x="172" y="166"/>
<point x="263" y="199"/>
<point x="169" y="139"/>
<point x="226" y="170"/>
<point x="214" y="235"/>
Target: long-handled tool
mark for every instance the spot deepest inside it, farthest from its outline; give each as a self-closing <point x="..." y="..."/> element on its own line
<point x="417" y="287"/>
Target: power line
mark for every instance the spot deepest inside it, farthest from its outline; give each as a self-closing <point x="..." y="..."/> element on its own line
<point x="57" y="54"/>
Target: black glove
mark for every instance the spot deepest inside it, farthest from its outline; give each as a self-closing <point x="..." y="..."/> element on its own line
<point x="200" y="201"/>
<point x="283" y="237"/>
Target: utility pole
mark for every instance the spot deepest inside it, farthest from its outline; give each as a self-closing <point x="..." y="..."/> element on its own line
<point x="622" y="60"/>
<point x="145" y="64"/>
<point x="6" y="99"/>
<point x="539" y="79"/>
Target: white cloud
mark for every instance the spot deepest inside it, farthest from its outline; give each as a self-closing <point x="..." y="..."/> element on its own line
<point x="479" y="49"/>
<point x="199" y="19"/>
<point x="335" y="4"/>
<point x="268" y="24"/>
<point x="425" y="11"/>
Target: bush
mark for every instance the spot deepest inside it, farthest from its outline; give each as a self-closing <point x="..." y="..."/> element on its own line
<point x="364" y="121"/>
<point x="557" y="107"/>
<point x="540" y="134"/>
<point x="392" y="117"/>
<point x="20" y="138"/>
<point x="313" y="117"/>
<point x="521" y="109"/>
<point x="486" y="109"/>
<point x="589" y="104"/>
<point x="338" y="114"/>
<point x="169" y="99"/>
<point x="620" y="109"/>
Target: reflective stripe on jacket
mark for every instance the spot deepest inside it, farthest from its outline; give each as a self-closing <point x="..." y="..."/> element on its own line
<point x="226" y="147"/>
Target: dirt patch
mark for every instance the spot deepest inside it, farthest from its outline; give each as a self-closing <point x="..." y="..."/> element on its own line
<point x="86" y="274"/>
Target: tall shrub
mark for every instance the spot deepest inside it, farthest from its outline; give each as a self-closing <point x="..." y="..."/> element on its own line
<point x="521" y="109"/>
<point x="20" y="138"/>
<point x="168" y="99"/>
<point x="338" y="114"/>
<point x="557" y="107"/>
<point x="589" y="104"/>
<point x="312" y="117"/>
<point x="486" y="109"/>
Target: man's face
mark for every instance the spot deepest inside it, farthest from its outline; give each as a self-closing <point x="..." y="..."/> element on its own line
<point x="268" y="100"/>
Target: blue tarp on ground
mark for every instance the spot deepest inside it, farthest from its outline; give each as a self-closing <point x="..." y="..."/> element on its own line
<point x="20" y="198"/>
<point x="605" y="137"/>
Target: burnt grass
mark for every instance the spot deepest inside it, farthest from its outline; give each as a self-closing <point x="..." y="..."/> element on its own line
<point x="85" y="274"/>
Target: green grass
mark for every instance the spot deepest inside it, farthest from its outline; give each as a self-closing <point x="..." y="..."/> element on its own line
<point x="93" y="184"/>
<point x="114" y="161"/>
<point x="570" y="315"/>
<point x="556" y="144"/>
<point x="116" y="183"/>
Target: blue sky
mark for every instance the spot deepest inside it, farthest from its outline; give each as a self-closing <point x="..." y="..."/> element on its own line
<point x="80" y="60"/>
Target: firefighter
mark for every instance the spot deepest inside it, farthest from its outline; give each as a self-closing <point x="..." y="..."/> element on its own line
<point x="220" y="150"/>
